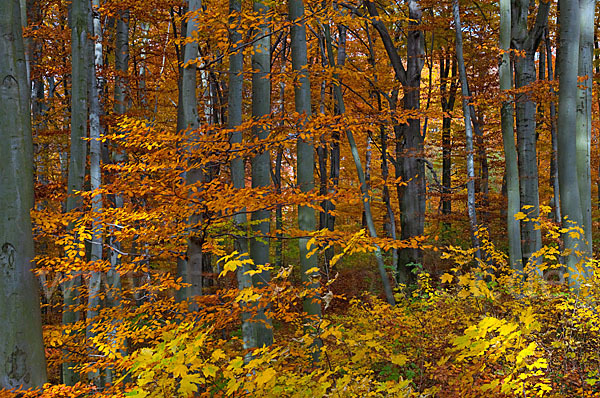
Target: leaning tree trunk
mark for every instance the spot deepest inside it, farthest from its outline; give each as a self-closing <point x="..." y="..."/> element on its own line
<point x="410" y="168"/>
<point x="515" y="254"/>
<point x="261" y="163"/>
<point x="584" y="115"/>
<point x="21" y="347"/>
<point x="570" y="201"/>
<point x="468" y="130"/>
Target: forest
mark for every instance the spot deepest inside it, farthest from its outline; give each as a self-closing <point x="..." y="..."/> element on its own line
<point x="299" y="198"/>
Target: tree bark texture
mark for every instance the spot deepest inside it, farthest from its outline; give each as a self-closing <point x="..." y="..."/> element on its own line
<point x="527" y="41"/>
<point x="515" y="254"/>
<point x="80" y="11"/>
<point x="190" y="270"/>
<point x="584" y="115"/>
<point x="568" y="55"/>
<point x="22" y="362"/>
<point x="261" y="163"/>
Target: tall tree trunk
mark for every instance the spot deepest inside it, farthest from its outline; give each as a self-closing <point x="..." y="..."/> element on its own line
<point x="191" y="270"/>
<point x="305" y="158"/>
<point x="409" y="152"/>
<point x="410" y="168"/>
<point x="527" y="41"/>
<point x="515" y="253"/>
<point x="21" y="345"/>
<point x="468" y="129"/>
<point x="95" y="279"/>
<point x="234" y="120"/>
<point x="334" y="154"/>
<point x="568" y="55"/>
<point x="261" y="163"/>
<point x="584" y="115"/>
<point x="80" y="11"/>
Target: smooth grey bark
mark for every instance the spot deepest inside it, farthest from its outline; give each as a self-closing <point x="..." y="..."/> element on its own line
<point x="234" y="120"/>
<point x="190" y="270"/>
<point x="468" y="129"/>
<point x="120" y="107"/>
<point x="527" y="40"/>
<point x="568" y="55"/>
<point x="22" y="362"/>
<point x="305" y="167"/>
<point x="80" y="11"/>
<point x="261" y="162"/>
<point x="121" y="62"/>
<point x="410" y="167"/>
<point x="95" y="277"/>
<point x="515" y="254"/>
<point x="584" y="115"/>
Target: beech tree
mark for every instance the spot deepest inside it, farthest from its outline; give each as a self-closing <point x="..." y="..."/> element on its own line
<point x="527" y="40"/>
<point x="305" y="154"/>
<point x="21" y="348"/>
<point x="261" y="162"/>
<point x="513" y="225"/>
<point x="80" y="65"/>
<point x="568" y="173"/>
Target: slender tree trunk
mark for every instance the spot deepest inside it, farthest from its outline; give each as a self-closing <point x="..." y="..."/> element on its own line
<point x="261" y="163"/>
<point x="341" y="108"/>
<point x="553" y="160"/>
<point x="568" y="55"/>
<point x="584" y="115"/>
<point x="334" y="154"/>
<point x="80" y="11"/>
<point x="515" y="253"/>
<point x="448" y="98"/>
<point x="95" y="279"/>
<point x="468" y="129"/>
<point x="121" y="105"/>
<point x="21" y="345"/>
<point x="385" y="174"/>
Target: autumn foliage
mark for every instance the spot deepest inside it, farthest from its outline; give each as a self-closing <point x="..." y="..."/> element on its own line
<point x="467" y="327"/>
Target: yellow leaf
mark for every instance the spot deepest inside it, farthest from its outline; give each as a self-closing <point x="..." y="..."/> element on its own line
<point x="520" y="216"/>
<point x="399" y="359"/>
<point x="447" y="278"/>
<point x="312" y="270"/>
<point x="265" y="376"/>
